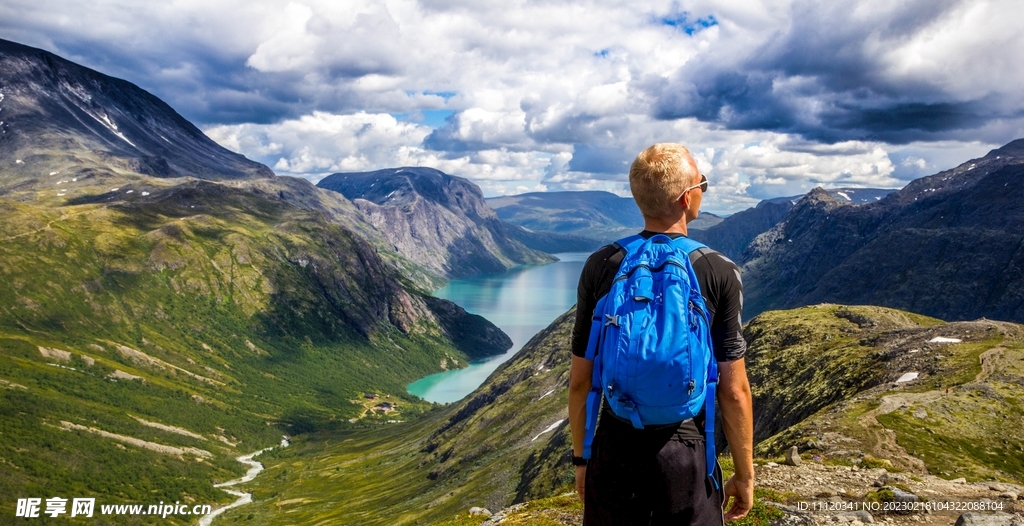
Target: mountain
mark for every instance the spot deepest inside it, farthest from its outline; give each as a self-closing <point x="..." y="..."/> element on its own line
<point x="156" y="323"/>
<point x="598" y="215"/>
<point x="948" y="245"/>
<point x="60" y="118"/>
<point x="551" y="242"/>
<point x="832" y="380"/>
<point x="732" y="235"/>
<point x="437" y="220"/>
<point x="853" y="196"/>
<point x="591" y="218"/>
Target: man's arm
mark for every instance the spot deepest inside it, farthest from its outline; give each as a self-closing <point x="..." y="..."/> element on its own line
<point x="735" y="402"/>
<point x="580" y="373"/>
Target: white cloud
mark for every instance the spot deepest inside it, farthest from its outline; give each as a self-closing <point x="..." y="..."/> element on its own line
<point x="321" y="143"/>
<point x="561" y="94"/>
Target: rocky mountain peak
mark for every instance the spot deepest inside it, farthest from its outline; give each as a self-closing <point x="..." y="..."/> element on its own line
<point x="819" y="196"/>
<point x="58" y="115"/>
<point x="947" y="245"/>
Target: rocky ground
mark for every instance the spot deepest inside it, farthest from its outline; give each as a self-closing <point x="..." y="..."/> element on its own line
<point x="816" y="493"/>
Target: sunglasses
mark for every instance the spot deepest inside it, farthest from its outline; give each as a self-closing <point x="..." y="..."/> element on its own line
<point x="703" y="185"/>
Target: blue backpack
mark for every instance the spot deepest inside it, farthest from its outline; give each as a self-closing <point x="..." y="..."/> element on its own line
<point x="650" y="341"/>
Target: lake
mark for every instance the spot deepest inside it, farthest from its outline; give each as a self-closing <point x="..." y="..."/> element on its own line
<point x="520" y="301"/>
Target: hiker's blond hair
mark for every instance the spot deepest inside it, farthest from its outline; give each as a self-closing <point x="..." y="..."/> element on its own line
<point x="658" y="175"/>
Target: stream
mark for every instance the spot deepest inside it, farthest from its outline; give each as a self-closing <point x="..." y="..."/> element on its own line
<point x="243" y="498"/>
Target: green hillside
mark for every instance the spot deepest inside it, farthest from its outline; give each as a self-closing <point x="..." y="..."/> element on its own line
<point x="816" y="372"/>
<point x="148" y="339"/>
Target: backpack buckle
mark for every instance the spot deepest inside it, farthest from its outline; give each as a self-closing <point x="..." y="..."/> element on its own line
<point x="611" y="320"/>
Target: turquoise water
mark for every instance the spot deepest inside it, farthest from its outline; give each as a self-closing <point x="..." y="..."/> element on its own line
<point x="521" y="302"/>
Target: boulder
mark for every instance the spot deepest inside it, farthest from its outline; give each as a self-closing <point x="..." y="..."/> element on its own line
<point x="793" y="457"/>
<point x="988" y="519"/>
<point x="481" y="512"/>
<point x="904" y="496"/>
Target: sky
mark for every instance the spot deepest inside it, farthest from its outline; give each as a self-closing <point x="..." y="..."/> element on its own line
<point x="772" y="97"/>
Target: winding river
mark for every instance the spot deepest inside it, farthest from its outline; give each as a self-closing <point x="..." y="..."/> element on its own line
<point x="243" y="498"/>
<point x="520" y="301"/>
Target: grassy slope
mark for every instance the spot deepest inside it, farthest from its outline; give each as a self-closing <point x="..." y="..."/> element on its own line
<point x="815" y="371"/>
<point x="253" y="318"/>
<point x="478" y="452"/>
<point x="859" y="409"/>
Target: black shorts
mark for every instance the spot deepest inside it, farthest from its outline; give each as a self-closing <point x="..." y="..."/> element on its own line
<point x="649" y="477"/>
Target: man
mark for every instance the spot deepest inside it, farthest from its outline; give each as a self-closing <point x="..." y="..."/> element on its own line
<point x="658" y="475"/>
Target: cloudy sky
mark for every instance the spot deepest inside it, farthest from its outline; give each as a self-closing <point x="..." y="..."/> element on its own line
<point x="772" y="97"/>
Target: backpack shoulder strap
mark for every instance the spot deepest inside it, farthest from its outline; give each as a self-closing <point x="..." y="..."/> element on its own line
<point x="688" y="245"/>
<point x="631" y="243"/>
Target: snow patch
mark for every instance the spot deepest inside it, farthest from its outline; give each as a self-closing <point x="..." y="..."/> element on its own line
<point x="550" y="428"/>
<point x="54" y="173"/>
<point x="844" y="195"/>
<point x="129" y="191"/>
<point x="907" y="377"/>
<point x="943" y="339"/>
<point x="546" y="394"/>
<point x="114" y="189"/>
<point x="105" y="120"/>
<point x="144" y="194"/>
<point x="19" y="161"/>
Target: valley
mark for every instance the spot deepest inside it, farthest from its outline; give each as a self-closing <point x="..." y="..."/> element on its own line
<point x="168" y="306"/>
<point x="826" y="381"/>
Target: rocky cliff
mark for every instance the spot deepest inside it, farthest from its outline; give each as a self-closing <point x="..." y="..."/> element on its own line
<point x="434" y="219"/>
<point x="949" y="245"/>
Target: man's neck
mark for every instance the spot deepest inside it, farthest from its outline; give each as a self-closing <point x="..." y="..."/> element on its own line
<point x="666" y="225"/>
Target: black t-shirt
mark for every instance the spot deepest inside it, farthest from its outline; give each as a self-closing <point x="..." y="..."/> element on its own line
<point x="720" y="284"/>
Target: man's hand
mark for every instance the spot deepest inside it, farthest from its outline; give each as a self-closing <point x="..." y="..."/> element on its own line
<point x="734" y="399"/>
<point x="581" y="480"/>
<point x="580" y="373"/>
<point x="740" y="492"/>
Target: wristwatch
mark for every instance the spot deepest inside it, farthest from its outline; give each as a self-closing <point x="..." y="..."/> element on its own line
<point x="578" y="461"/>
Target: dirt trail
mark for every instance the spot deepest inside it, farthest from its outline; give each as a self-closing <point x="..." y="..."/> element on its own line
<point x="49" y="224"/>
<point x="883" y="440"/>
